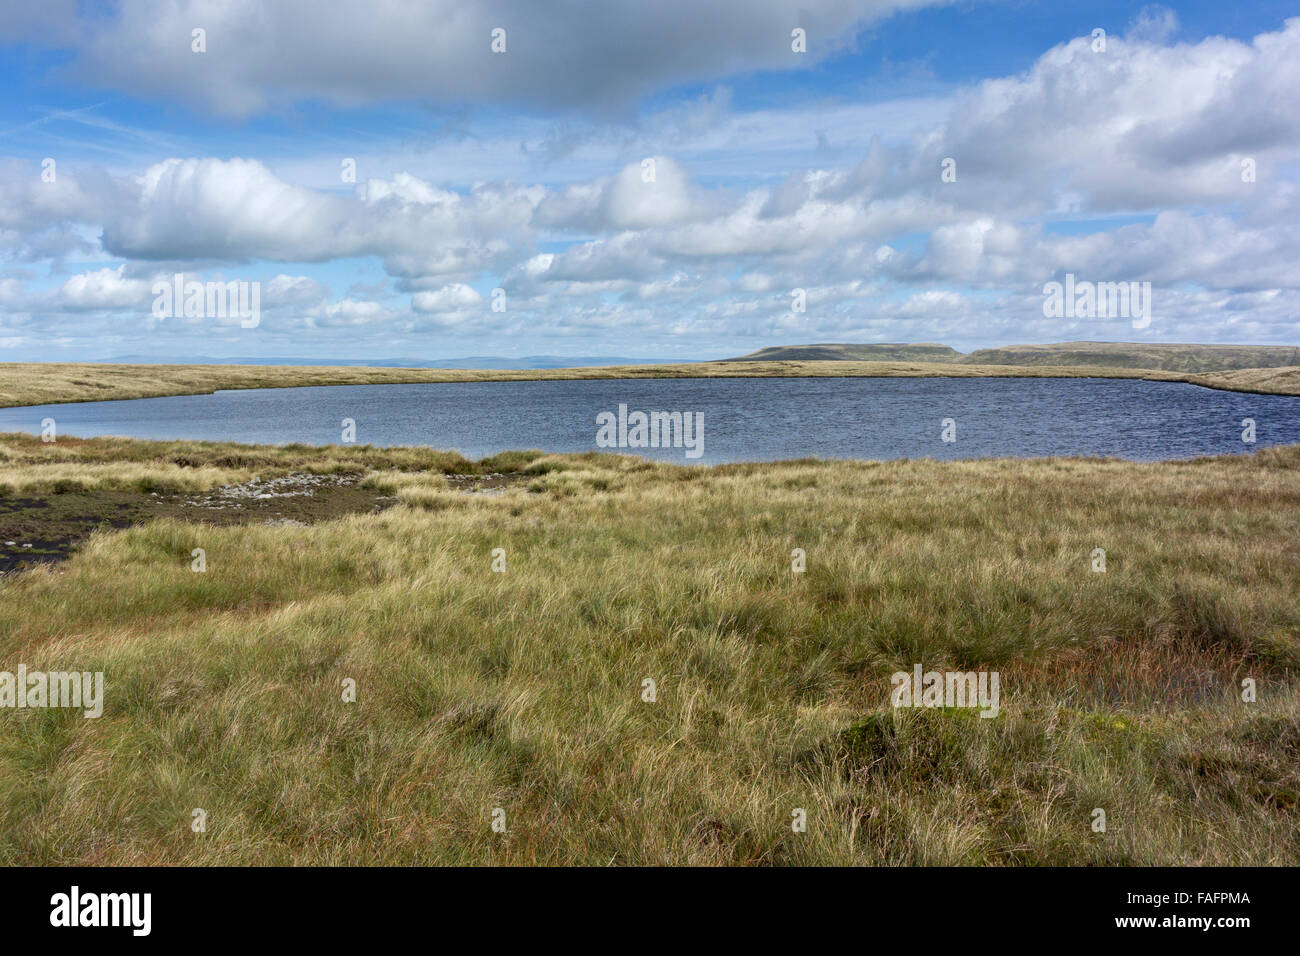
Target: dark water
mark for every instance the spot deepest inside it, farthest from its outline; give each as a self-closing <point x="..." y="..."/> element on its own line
<point x="748" y="419"/>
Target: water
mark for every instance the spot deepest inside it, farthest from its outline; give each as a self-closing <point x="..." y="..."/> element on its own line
<point x="745" y="419"/>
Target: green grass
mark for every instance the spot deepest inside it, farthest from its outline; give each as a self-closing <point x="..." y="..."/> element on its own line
<point x="523" y="690"/>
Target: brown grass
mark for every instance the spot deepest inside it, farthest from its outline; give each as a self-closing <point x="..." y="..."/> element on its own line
<point x="51" y="383"/>
<point x="522" y="690"/>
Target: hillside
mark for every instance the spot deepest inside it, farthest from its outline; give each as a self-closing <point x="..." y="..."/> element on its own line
<point x="1169" y="358"/>
<point x="832" y="352"/>
<point x="1128" y="355"/>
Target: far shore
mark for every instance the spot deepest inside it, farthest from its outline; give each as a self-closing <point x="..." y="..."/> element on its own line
<point x="41" y="383"/>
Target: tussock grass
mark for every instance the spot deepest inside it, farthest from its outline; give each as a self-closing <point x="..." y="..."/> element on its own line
<point x="68" y="476"/>
<point x="522" y="690"/>
<point x="28" y="465"/>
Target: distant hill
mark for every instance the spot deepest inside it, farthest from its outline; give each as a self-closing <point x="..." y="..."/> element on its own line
<point x="469" y="362"/>
<point x="1172" y="358"/>
<point x="922" y="352"/>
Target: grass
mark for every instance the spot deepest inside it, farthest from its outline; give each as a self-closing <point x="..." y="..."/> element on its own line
<point x="1191" y="359"/>
<point x="51" y="383"/>
<point x="29" y="465"/>
<point x="523" y="690"/>
<point x="1171" y="358"/>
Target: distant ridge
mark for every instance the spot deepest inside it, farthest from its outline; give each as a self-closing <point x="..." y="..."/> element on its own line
<point x="833" y="352"/>
<point x="1169" y="358"/>
<point x="468" y="362"/>
<point x="1134" y="355"/>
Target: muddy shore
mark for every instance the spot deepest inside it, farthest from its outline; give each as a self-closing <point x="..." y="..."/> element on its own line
<point x="39" y="529"/>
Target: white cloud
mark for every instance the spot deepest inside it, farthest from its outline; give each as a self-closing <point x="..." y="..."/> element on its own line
<point x="347" y="312"/>
<point x="447" y="299"/>
<point x="655" y="192"/>
<point x="238" y="209"/>
<point x="562" y="54"/>
<point x="1146" y="139"/>
<point x="103" y="289"/>
<point x="292" y="290"/>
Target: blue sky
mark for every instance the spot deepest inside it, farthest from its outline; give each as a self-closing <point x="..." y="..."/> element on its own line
<point x="770" y="171"/>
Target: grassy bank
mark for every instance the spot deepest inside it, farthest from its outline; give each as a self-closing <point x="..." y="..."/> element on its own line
<point x="49" y="383"/>
<point x="523" y="690"/>
<point x="1190" y="359"/>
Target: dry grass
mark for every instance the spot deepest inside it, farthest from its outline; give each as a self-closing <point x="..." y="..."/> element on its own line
<point x="29" y="465"/>
<point x="522" y="690"/>
<point x="1192" y="359"/>
<point x="51" y="383"/>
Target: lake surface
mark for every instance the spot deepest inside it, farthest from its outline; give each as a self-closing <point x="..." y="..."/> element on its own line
<point x="745" y="419"/>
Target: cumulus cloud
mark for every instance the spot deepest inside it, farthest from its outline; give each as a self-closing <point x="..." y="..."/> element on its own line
<point x="1140" y="125"/>
<point x="655" y="192"/>
<point x="447" y="299"/>
<point x="212" y="208"/>
<point x="286" y="290"/>
<point x="1125" y="164"/>
<point x="102" y="289"/>
<point x="238" y="209"/>
<point x="562" y="54"/>
<point x="348" y="312"/>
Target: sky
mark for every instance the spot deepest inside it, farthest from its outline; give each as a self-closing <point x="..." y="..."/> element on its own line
<point x="677" y="179"/>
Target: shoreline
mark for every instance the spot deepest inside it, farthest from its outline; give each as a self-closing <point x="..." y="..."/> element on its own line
<point x="25" y="384"/>
<point x="51" y="501"/>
